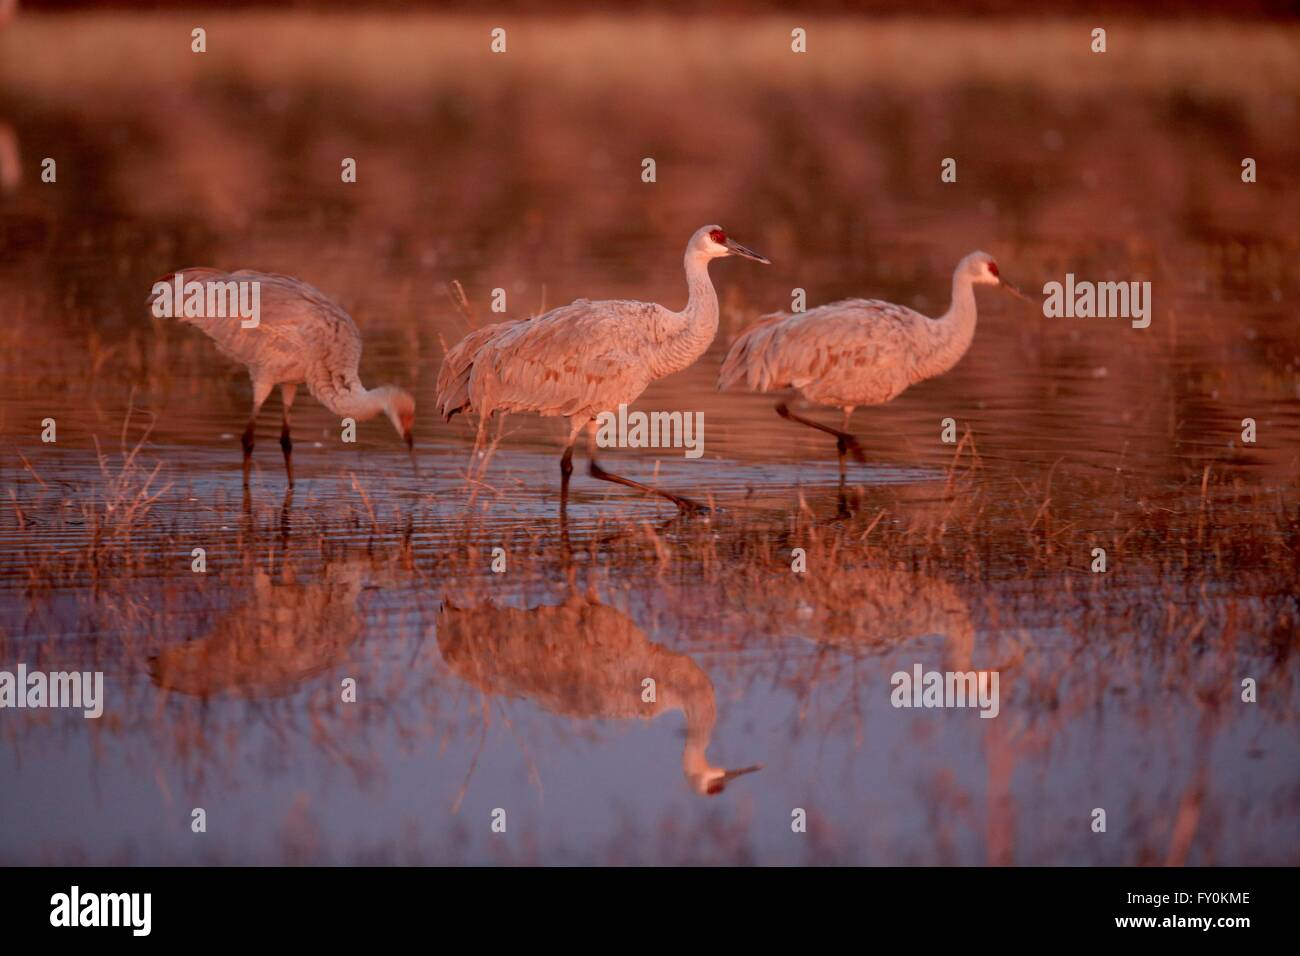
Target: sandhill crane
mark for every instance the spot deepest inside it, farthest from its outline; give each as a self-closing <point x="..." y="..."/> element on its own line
<point x="857" y="351"/>
<point x="283" y="634"/>
<point x="588" y="357"/>
<point x="302" y="337"/>
<point x="584" y="660"/>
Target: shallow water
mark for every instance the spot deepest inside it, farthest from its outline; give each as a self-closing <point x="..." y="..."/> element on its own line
<point x="1118" y="690"/>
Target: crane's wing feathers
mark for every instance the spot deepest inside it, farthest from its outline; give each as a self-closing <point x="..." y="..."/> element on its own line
<point x="457" y="366"/>
<point x="579" y="359"/>
<point x="301" y="334"/>
<point x="857" y="338"/>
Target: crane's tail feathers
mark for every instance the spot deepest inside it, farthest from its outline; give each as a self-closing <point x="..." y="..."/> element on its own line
<point x="453" y="389"/>
<point x="748" y="359"/>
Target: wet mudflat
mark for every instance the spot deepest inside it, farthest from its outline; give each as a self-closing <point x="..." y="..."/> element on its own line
<point x="521" y="690"/>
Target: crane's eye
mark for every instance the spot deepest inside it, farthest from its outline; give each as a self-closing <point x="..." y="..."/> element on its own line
<point x="993" y="268"/>
<point x="718" y="236"/>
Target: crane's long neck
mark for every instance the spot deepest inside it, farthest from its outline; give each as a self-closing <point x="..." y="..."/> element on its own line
<point x="687" y="688"/>
<point x="700" y="320"/>
<point x="353" y="400"/>
<point x="952" y="332"/>
<point x="701" y="715"/>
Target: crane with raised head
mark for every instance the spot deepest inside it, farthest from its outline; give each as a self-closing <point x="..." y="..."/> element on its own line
<point x="857" y="351"/>
<point x="587" y="357"/>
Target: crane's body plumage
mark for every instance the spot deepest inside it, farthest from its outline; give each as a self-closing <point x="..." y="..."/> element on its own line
<point x="302" y="337"/>
<point x="576" y="361"/>
<point x="582" y="358"/>
<point x="852" y="352"/>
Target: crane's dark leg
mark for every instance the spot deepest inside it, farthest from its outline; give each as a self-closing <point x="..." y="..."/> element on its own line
<point x="844" y="442"/>
<point x="260" y="392"/>
<point x="246" y="440"/>
<point x="842" y="446"/>
<point x="844" y="510"/>
<point x="566" y="470"/>
<point x="685" y="504"/>
<point x="576" y="425"/>
<point x="287" y="393"/>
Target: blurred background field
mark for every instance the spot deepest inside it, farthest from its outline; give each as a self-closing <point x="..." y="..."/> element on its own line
<point x="522" y="171"/>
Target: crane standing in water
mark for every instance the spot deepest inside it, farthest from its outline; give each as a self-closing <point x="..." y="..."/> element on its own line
<point x="857" y="351"/>
<point x="588" y="357"/>
<point x="301" y="337"/>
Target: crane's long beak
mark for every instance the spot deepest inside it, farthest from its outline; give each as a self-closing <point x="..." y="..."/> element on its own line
<point x="712" y="785"/>
<point x="1007" y="286"/>
<point x="409" y="438"/>
<point x="736" y="249"/>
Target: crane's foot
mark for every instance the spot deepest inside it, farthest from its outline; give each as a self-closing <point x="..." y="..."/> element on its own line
<point x="688" y="506"/>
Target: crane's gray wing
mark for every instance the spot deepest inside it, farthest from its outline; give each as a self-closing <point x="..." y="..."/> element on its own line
<point x="862" y="345"/>
<point x="579" y="359"/>
<point x="301" y="334"/>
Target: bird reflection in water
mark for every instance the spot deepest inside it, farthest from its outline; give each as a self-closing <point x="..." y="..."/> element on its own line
<point x="887" y="608"/>
<point x="584" y="660"/>
<point x="285" y="633"/>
